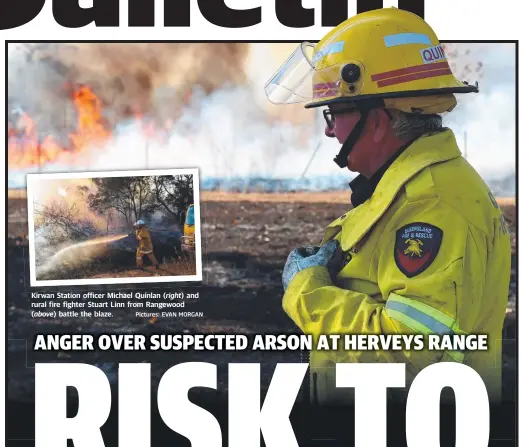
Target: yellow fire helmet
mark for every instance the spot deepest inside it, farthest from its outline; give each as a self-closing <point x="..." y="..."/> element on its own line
<point x="386" y="54"/>
<point x="382" y="58"/>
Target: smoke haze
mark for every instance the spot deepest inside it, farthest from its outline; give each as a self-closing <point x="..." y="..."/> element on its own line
<point x="209" y="110"/>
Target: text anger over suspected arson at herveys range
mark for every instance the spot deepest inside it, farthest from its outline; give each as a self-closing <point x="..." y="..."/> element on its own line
<point x="266" y="342"/>
<point x="106" y="13"/>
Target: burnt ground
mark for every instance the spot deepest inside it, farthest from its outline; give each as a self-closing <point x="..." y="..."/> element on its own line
<point x="245" y="244"/>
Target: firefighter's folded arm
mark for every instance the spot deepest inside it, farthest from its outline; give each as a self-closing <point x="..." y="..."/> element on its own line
<point x="317" y="306"/>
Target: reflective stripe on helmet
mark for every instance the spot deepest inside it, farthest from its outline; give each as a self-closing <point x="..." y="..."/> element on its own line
<point x="394" y="40"/>
<point x="396" y="53"/>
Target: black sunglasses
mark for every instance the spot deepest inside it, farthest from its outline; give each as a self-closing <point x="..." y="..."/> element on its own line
<point x="329" y="115"/>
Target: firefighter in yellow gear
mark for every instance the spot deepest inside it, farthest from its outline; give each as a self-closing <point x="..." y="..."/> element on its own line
<point x="425" y="249"/>
<point x="144" y="245"/>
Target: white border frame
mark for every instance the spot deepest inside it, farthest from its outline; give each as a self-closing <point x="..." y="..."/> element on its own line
<point x="31" y="181"/>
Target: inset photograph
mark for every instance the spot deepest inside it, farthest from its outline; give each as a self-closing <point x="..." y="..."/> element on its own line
<point x="114" y="227"/>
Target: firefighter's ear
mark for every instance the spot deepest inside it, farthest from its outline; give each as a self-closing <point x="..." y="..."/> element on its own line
<point x="380" y="124"/>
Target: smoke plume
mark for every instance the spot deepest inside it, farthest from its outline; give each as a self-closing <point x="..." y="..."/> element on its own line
<point x="153" y="79"/>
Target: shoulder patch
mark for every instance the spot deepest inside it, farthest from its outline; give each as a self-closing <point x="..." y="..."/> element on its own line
<point x="416" y="246"/>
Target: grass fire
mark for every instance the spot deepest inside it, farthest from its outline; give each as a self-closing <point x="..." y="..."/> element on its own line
<point x="110" y="227"/>
<point x="28" y="146"/>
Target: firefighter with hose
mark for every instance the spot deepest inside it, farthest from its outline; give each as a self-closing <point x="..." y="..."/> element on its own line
<point x="425" y="248"/>
<point x="144" y="245"/>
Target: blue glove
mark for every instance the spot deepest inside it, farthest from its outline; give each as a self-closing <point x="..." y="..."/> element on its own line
<point x="303" y="258"/>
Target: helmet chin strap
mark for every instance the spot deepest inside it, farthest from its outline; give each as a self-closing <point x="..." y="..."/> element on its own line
<point x="341" y="158"/>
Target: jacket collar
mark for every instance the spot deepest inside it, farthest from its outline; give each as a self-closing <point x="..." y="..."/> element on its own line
<point x="423" y="152"/>
<point x="363" y="188"/>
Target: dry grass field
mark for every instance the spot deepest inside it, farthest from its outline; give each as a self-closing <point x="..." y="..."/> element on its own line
<point x="245" y="241"/>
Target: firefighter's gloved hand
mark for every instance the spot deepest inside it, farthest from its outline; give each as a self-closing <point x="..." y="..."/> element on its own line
<point x="306" y="257"/>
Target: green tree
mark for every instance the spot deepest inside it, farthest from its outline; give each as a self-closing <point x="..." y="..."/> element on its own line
<point x="174" y="193"/>
<point x="131" y="197"/>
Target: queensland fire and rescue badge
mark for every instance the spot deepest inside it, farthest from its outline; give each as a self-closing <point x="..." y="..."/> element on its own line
<point x="416" y="246"/>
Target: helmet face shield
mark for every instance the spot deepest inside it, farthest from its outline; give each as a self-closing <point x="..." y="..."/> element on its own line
<point x="304" y="77"/>
<point x="292" y="83"/>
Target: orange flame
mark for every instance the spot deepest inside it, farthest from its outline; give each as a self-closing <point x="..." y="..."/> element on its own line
<point x="27" y="147"/>
<point x="91" y="129"/>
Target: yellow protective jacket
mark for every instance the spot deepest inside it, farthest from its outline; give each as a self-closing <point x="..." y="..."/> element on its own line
<point x="144" y="241"/>
<point x="428" y="252"/>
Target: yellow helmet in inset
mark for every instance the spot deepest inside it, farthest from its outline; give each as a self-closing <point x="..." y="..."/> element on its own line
<point x="383" y="58"/>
